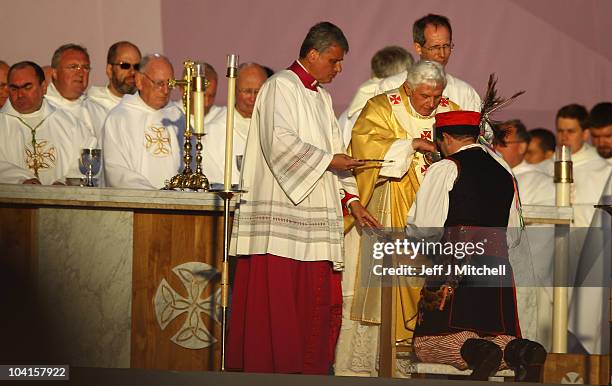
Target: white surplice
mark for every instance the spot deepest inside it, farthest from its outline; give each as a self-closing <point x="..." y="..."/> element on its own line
<point x="141" y="144"/>
<point x="547" y="166"/>
<point x="591" y="172"/>
<point x="588" y="301"/>
<point x="213" y="159"/>
<point x="292" y="206"/>
<point x="214" y="115"/>
<point x="347" y="119"/>
<point x="456" y="90"/>
<point x="59" y="138"/>
<point x="83" y="108"/>
<point x="103" y="96"/>
<point x="537" y="188"/>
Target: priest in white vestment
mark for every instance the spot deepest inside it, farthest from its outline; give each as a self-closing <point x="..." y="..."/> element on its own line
<point x="141" y="133"/>
<point x="588" y="319"/>
<point x="541" y="149"/>
<point x="251" y="76"/>
<point x="590" y="172"/>
<point x="71" y="67"/>
<point x="433" y="40"/>
<point x="288" y="229"/>
<point x="40" y="144"/>
<point x="600" y="126"/>
<point x="535" y="188"/>
<point x="4" y="67"/>
<point x="386" y="62"/>
<point x="122" y="64"/>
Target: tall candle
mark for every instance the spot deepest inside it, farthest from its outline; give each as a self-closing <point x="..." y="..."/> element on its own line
<point x="232" y="70"/>
<point x="198" y="100"/>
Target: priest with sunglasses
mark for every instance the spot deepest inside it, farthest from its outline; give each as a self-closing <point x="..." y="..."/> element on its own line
<point x="122" y="64"/>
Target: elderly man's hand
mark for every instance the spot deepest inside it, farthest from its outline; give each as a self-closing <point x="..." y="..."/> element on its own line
<point x="342" y="163"/>
<point x="423" y="146"/>
<point x="362" y="216"/>
<point x="31" y="181"/>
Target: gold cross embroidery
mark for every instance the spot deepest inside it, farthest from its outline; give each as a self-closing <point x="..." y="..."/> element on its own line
<point x="40" y="155"/>
<point x="157" y="141"/>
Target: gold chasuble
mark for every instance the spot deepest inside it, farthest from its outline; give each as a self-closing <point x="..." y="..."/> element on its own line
<point x="386" y="118"/>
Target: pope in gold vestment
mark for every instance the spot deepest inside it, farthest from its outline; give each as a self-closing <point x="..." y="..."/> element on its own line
<point x="384" y="130"/>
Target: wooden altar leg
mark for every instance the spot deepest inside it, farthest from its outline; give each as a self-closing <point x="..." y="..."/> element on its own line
<point x="18" y="246"/>
<point x="162" y="241"/>
<point x="388" y="350"/>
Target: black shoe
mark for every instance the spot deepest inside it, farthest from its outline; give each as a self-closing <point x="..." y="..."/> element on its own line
<point x="482" y="356"/>
<point x="526" y="358"/>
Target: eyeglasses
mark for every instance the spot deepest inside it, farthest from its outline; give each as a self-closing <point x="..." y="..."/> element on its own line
<point x="249" y="91"/>
<point x="127" y="66"/>
<point x="159" y="84"/>
<point x="76" y="67"/>
<point x="440" y="48"/>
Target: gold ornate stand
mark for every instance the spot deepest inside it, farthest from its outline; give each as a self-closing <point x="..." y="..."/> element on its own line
<point x="226" y="194"/>
<point x="193" y="83"/>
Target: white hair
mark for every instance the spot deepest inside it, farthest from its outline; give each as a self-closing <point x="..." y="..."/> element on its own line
<point x="144" y="62"/>
<point x="426" y="72"/>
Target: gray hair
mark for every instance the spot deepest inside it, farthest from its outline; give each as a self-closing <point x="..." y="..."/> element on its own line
<point x="391" y="60"/>
<point x="322" y="36"/>
<point x="57" y="55"/>
<point x="146" y="60"/>
<point x="426" y="72"/>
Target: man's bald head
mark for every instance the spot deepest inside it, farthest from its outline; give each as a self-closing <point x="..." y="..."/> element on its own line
<point x="251" y="76"/>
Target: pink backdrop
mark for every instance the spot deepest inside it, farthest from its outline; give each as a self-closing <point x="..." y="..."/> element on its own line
<point x="557" y="51"/>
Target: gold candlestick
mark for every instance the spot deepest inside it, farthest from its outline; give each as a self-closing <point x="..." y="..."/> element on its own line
<point x="198" y="180"/>
<point x="194" y="83"/>
<point x="227" y="193"/>
<point x="181" y="180"/>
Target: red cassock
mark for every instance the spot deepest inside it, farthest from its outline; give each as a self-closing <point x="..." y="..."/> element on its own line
<point x="285" y="317"/>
